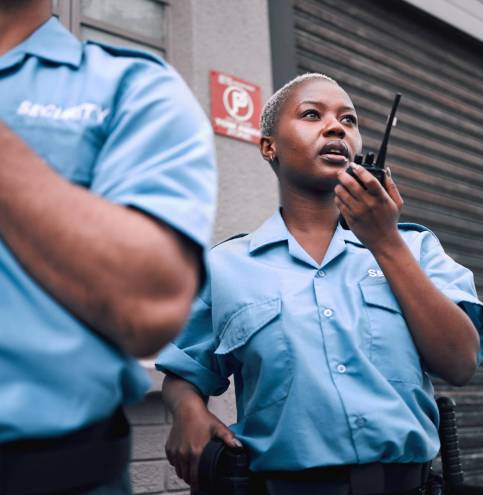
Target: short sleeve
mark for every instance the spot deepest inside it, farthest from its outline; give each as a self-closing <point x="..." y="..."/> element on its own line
<point x="191" y="355"/>
<point x="454" y="280"/>
<point x="159" y="155"/>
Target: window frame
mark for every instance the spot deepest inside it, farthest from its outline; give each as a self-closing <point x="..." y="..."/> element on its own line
<point x="70" y="15"/>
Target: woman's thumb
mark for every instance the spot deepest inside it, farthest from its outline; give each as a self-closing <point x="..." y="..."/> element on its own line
<point x="225" y="434"/>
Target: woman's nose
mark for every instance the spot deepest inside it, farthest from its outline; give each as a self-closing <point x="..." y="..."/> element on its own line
<point x="333" y="128"/>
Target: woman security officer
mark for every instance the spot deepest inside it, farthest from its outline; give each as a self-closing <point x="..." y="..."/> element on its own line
<point x="329" y="333"/>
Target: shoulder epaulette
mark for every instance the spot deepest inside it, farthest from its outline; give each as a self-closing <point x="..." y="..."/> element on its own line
<point x="120" y="51"/>
<point x="413" y="226"/>
<point x="236" y="236"/>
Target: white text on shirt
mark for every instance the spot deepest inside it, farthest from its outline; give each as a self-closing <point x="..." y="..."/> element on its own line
<point x="82" y="112"/>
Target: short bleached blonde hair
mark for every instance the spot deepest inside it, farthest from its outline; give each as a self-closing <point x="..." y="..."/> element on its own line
<point x="271" y="109"/>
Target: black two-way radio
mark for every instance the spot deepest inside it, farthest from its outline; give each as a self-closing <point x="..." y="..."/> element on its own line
<point x="375" y="168"/>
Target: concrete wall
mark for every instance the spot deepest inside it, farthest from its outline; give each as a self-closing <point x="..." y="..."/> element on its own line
<point x="230" y="36"/>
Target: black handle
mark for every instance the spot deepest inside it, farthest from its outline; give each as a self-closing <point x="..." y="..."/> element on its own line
<point x="223" y="470"/>
<point x="450" y="452"/>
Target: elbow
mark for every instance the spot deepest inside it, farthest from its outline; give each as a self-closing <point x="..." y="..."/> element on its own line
<point x="460" y="372"/>
<point x="143" y="328"/>
<point x="156" y="326"/>
<point x="465" y="372"/>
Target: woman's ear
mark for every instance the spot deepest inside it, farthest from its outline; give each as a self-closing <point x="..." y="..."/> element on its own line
<point x="268" y="149"/>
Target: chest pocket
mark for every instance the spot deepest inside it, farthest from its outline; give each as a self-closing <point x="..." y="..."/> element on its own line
<point x="71" y="150"/>
<point x="392" y="349"/>
<point x="255" y="337"/>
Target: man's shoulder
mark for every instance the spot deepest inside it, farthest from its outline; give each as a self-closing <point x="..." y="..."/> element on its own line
<point x="125" y="54"/>
<point x="126" y="71"/>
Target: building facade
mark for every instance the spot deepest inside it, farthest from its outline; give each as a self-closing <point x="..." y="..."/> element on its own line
<point x="428" y="50"/>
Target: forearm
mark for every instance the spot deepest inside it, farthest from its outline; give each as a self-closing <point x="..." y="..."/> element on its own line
<point x="179" y="394"/>
<point x="443" y="333"/>
<point x="125" y="275"/>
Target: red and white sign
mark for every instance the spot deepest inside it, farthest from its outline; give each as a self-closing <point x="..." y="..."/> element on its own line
<point x="235" y="107"/>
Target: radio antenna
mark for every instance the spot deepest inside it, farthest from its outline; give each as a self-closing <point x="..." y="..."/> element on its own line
<point x="381" y="157"/>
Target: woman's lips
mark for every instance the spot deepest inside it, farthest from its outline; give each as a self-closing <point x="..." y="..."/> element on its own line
<point x="334" y="159"/>
<point x="335" y="152"/>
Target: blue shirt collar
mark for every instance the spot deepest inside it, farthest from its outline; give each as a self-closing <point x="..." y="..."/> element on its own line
<point x="348" y="236"/>
<point x="52" y="42"/>
<point x="271" y="231"/>
<point x="274" y="230"/>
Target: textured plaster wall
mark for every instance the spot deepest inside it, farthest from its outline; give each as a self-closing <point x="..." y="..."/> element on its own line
<point x="230" y="36"/>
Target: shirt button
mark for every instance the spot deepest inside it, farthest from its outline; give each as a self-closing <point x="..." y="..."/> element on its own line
<point x="341" y="368"/>
<point x="328" y="312"/>
<point x="320" y="274"/>
<point x="360" y="422"/>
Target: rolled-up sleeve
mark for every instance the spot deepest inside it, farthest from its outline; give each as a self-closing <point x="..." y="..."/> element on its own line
<point x="191" y="355"/>
<point x="159" y="153"/>
<point x="454" y="280"/>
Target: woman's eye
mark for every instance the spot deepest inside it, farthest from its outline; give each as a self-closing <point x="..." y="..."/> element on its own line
<point x="352" y="119"/>
<point x="311" y="114"/>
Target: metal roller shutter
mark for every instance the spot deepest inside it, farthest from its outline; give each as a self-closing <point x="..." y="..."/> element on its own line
<point x="374" y="49"/>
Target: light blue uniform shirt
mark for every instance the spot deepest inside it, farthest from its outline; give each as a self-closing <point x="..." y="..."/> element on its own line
<point x="123" y="125"/>
<point x="326" y="371"/>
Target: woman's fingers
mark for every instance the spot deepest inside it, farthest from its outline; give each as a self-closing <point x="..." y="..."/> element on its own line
<point x="188" y="439"/>
<point x="226" y="435"/>
<point x="393" y="191"/>
<point x="193" y="480"/>
<point x="369" y="182"/>
<point x="342" y="199"/>
<point x="186" y="458"/>
<point x="350" y="184"/>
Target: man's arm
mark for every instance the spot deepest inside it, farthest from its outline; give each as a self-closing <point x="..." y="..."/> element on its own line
<point x="129" y="277"/>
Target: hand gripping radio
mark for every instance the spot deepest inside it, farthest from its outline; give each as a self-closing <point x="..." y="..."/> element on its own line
<point x="375" y="168"/>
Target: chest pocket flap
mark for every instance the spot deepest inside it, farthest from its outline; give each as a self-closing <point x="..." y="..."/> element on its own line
<point x="242" y="325"/>
<point x="380" y="295"/>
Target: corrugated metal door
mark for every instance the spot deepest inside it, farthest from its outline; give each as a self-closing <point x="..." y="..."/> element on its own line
<point x="374" y="49"/>
<point x="436" y="153"/>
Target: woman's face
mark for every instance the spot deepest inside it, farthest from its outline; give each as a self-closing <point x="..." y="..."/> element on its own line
<point x="316" y="136"/>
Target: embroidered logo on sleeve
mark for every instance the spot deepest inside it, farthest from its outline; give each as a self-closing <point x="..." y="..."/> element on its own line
<point x="81" y="113"/>
<point x="372" y="272"/>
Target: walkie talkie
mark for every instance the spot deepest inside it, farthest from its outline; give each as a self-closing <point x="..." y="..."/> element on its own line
<point x="376" y="169"/>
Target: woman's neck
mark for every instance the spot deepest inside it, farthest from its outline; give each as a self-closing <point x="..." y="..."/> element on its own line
<point x="311" y="219"/>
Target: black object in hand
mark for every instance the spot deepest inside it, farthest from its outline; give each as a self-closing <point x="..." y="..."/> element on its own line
<point x="367" y="163"/>
<point x="223" y="470"/>
<point x="376" y="169"/>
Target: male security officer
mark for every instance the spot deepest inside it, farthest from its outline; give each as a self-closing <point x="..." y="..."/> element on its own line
<point x="106" y="203"/>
